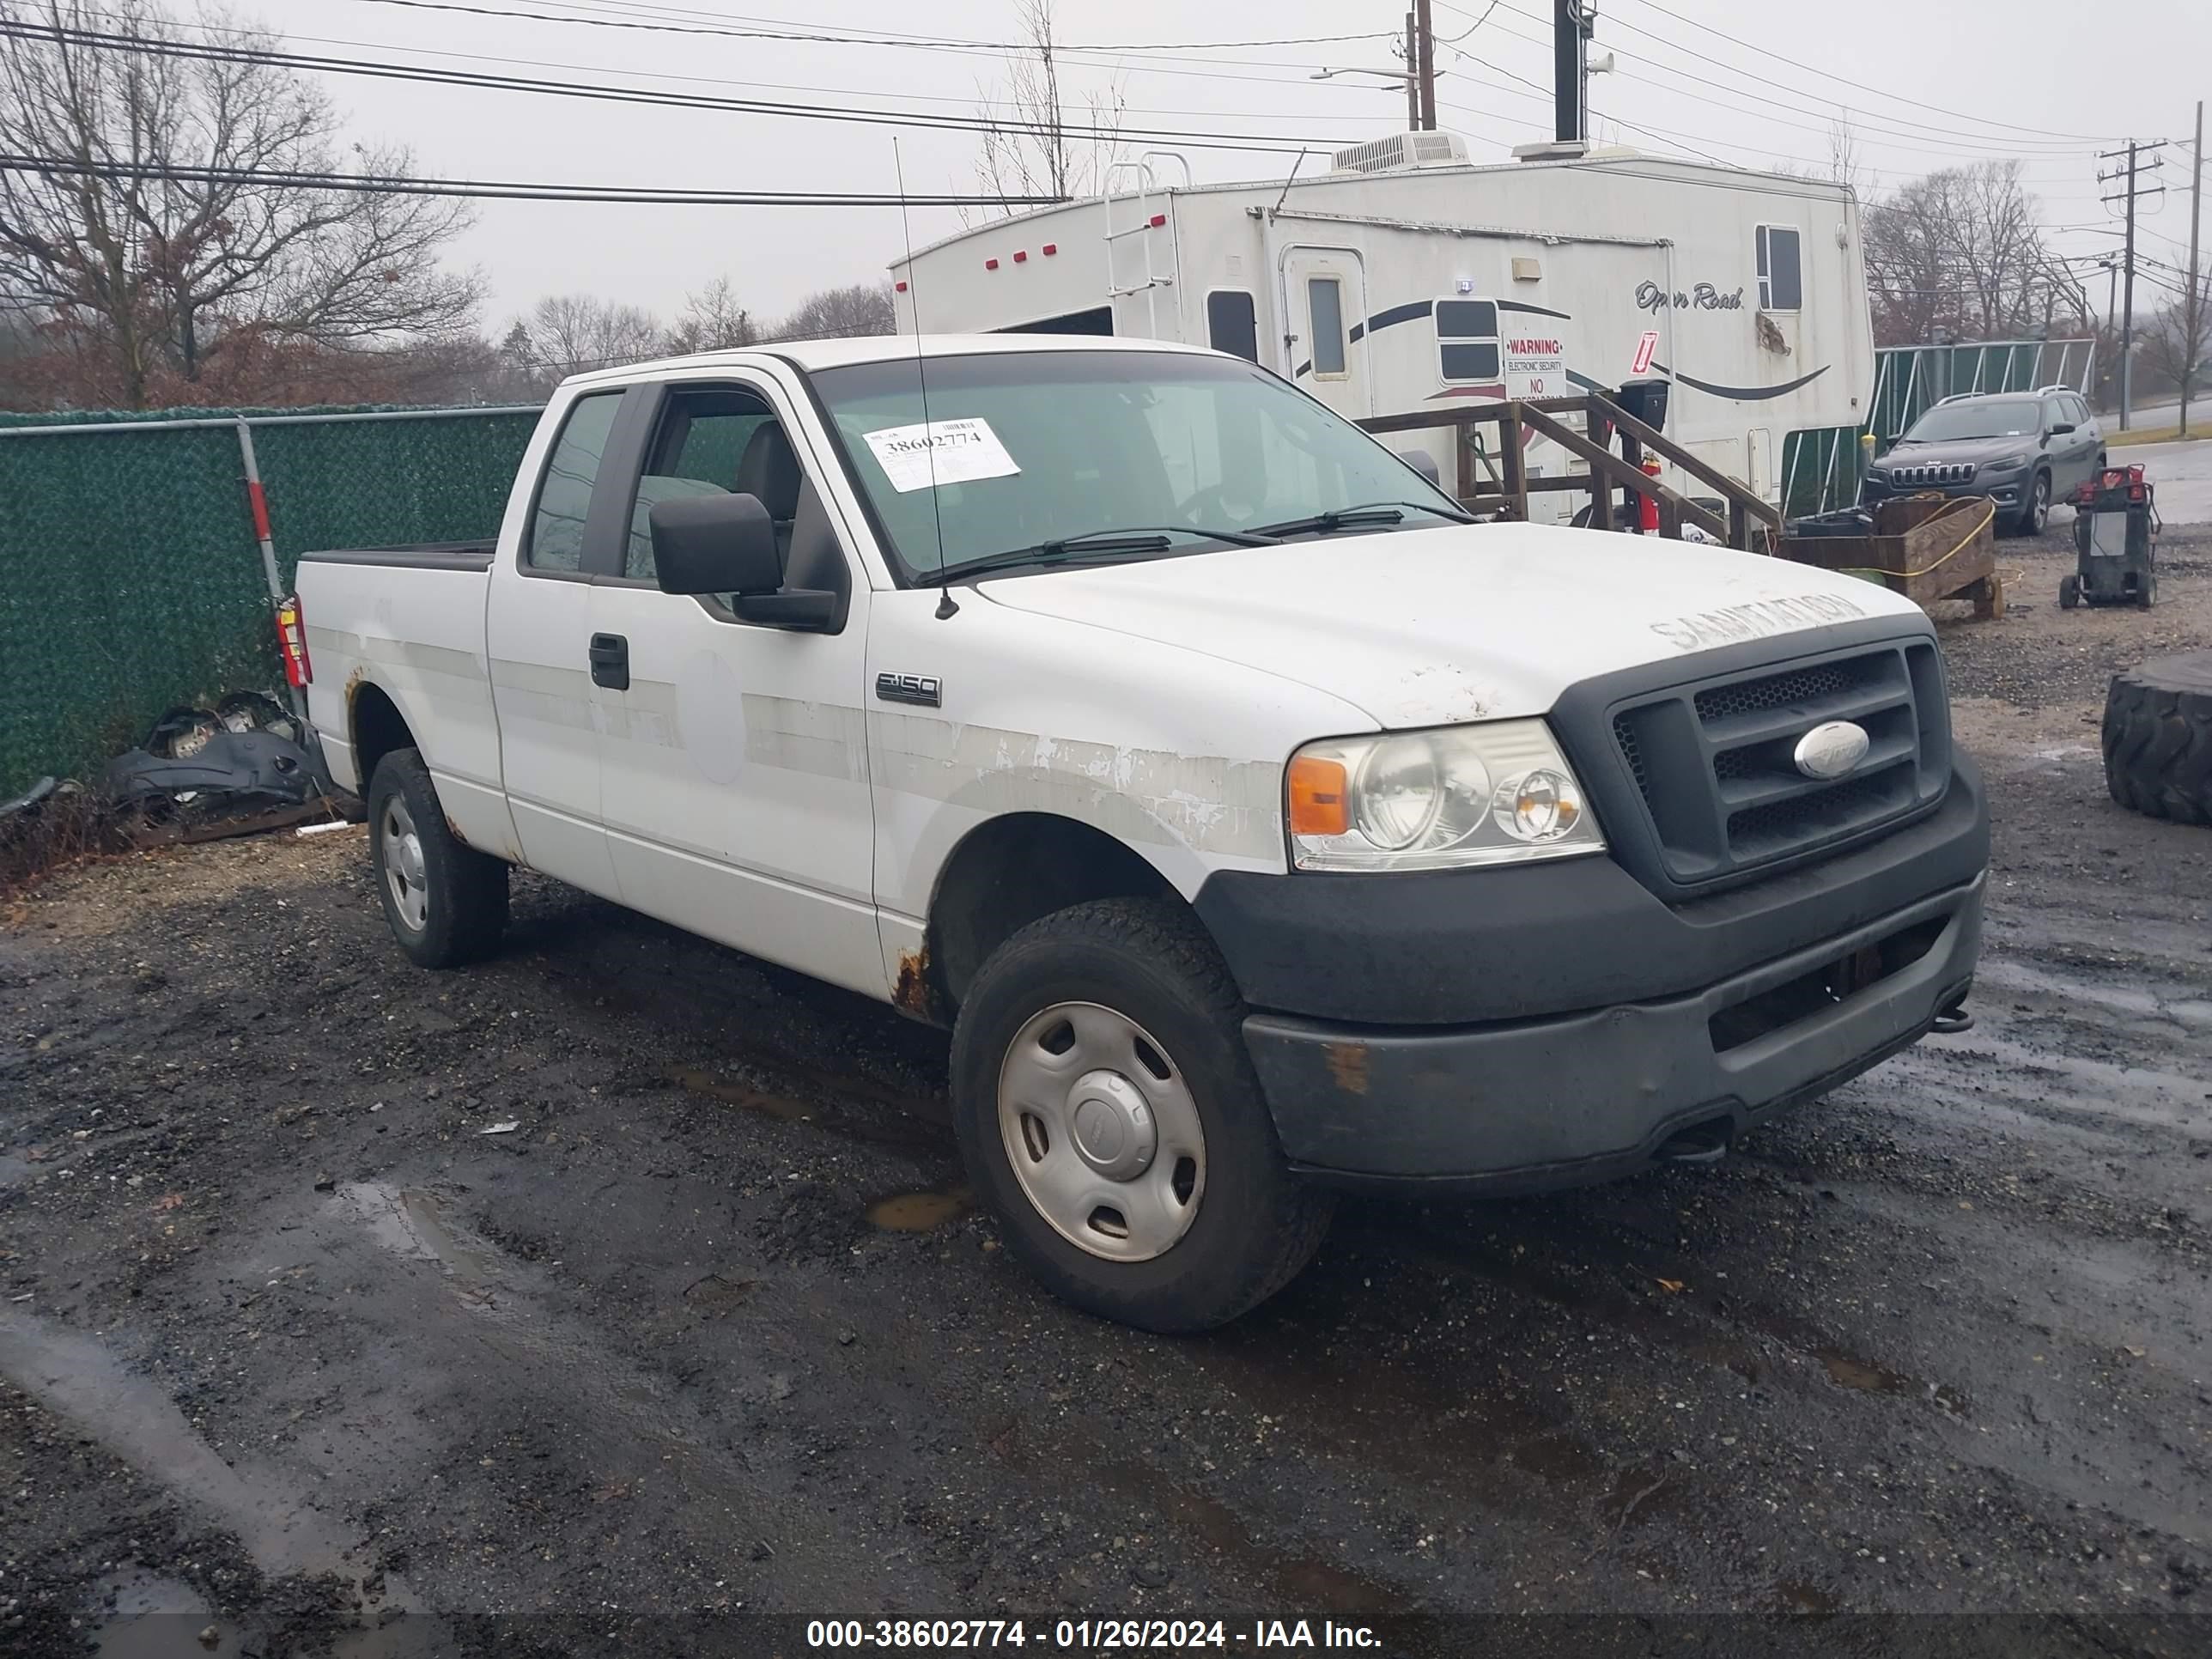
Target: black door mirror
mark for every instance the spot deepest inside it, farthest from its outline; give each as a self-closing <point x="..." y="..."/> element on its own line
<point x="2059" y="429"/>
<point x="1422" y="463"/>
<point x="715" y="544"/>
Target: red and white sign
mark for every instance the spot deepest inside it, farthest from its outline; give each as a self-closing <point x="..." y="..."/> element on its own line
<point x="1645" y="348"/>
<point x="1536" y="366"/>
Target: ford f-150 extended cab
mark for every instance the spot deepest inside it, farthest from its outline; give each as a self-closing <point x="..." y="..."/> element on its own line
<point x="1259" y="825"/>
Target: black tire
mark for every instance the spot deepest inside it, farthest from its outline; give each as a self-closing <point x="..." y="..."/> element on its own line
<point x="2158" y="739"/>
<point x="2035" y="511"/>
<point x="2070" y="592"/>
<point x="2146" y="595"/>
<point x="464" y="891"/>
<point x="1147" y="961"/>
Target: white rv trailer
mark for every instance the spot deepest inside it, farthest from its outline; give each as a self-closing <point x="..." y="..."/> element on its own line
<point x="1407" y="278"/>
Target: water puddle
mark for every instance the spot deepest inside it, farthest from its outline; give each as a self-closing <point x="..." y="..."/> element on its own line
<point x="904" y="1128"/>
<point x="1808" y="1601"/>
<point x="1848" y="1371"/>
<point x="413" y="1227"/>
<point x="156" y="1617"/>
<point x="921" y="1212"/>
<point x="76" y="1377"/>
<point x="718" y="1293"/>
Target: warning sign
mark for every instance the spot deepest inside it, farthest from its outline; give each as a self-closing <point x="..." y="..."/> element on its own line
<point x="1536" y="366"/>
<point x="1645" y="349"/>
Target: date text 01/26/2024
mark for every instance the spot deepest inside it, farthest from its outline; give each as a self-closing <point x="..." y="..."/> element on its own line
<point x="1087" y="1635"/>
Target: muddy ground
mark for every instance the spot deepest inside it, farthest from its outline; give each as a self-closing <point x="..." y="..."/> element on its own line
<point x="296" y="1351"/>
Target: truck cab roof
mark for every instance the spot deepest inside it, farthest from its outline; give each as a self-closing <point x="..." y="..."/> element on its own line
<point x="812" y="355"/>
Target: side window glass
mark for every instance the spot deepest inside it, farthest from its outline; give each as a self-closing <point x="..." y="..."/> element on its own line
<point x="1325" y="305"/>
<point x="564" y="495"/>
<point x="699" y="450"/>
<point x="1781" y="278"/>
<point x="1467" y="341"/>
<point x="1232" y="324"/>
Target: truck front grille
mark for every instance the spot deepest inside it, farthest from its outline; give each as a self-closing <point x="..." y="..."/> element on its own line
<point x="1715" y="762"/>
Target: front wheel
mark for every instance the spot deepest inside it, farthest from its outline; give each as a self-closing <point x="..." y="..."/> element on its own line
<point x="2035" y="512"/>
<point x="2070" y="592"/>
<point x="1111" y="1120"/>
<point x="447" y="902"/>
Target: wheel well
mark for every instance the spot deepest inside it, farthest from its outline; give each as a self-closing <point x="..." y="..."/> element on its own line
<point x="1012" y="871"/>
<point x="378" y="728"/>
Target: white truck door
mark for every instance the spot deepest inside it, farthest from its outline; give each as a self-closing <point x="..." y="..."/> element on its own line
<point x="537" y="639"/>
<point x="1325" y="352"/>
<point x="735" y="790"/>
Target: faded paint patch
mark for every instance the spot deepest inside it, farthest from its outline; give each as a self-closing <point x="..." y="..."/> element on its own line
<point x="1435" y="694"/>
<point x="1139" y="796"/>
<point x="710" y="717"/>
<point x="1347" y="1064"/>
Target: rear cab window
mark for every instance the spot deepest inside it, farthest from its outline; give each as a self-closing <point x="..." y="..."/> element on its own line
<point x="555" y="543"/>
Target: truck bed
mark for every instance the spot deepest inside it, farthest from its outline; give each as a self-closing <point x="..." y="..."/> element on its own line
<point x="416" y="555"/>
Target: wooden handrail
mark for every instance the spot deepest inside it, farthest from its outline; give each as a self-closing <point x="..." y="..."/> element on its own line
<point x="1608" y="471"/>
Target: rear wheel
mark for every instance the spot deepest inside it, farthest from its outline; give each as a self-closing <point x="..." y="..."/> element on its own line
<point x="447" y="902"/>
<point x="1110" y="1118"/>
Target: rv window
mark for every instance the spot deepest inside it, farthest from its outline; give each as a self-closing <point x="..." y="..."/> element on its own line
<point x="1466" y="340"/>
<point x="1781" y="279"/>
<point x="1325" y="305"/>
<point x="1231" y="323"/>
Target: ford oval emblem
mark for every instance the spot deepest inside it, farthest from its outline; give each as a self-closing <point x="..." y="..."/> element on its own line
<point x="1831" y="749"/>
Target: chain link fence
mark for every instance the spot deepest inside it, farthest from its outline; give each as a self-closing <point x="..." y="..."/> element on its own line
<point x="135" y="580"/>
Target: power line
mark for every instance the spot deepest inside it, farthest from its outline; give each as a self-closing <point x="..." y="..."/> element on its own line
<point x="405" y="185"/>
<point x="877" y="39"/>
<point x="149" y="47"/>
<point x="1830" y="75"/>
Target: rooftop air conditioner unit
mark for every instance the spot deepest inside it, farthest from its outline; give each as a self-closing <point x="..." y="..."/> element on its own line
<point x="1402" y="150"/>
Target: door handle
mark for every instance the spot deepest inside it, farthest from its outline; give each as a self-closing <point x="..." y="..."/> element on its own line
<point x="609" y="656"/>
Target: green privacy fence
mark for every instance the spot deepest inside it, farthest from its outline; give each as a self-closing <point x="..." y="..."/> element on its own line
<point x="131" y="579"/>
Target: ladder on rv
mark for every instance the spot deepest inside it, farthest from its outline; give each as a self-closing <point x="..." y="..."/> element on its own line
<point x="1138" y="183"/>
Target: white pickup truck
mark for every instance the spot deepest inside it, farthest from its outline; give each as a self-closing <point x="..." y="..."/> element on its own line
<point x="1259" y="825"/>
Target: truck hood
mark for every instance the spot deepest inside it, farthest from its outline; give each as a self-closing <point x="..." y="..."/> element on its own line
<point x="1463" y="622"/>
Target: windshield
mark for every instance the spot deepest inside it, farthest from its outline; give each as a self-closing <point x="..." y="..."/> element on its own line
<point x="2012" y="419"/>
<point x="1031" y="448"/>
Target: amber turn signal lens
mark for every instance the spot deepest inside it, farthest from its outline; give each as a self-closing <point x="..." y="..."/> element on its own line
<point x="1319" y="793"/>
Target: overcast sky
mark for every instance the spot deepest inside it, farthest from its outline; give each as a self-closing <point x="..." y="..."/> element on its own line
<point x="1943" y="81"/>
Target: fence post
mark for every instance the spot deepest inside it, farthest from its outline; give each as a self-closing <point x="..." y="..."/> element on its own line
<point x="257" y="499"/>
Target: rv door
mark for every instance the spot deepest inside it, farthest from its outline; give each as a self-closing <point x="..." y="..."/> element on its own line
<point x="1325" y="303"/>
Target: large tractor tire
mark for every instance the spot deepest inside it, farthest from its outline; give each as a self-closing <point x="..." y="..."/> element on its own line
<point x="2157" y="737"/>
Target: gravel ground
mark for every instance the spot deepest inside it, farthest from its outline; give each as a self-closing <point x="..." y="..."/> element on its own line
<point x="296" y="1357"/>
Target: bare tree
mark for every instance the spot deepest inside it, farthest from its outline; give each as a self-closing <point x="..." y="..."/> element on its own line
<point x="570" y="334"/>
<point x="155" y="272"/>
<point x="842" y="313"/>
<point x="1960" y="251"/>
<point x="712" y="320"/>
<point x="2177" y="347"/>
<point x="1027" y="149"/>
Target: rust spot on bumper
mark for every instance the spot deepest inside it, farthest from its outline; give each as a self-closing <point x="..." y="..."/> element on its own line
<point x="1347" y="1064"/>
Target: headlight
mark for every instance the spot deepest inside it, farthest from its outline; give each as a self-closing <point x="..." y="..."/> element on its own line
<point x="1495" y="793"/>
<point x="2007" y="463"/>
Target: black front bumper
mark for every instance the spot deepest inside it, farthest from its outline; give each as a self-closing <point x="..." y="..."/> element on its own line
<point x="1553" y="1025"/>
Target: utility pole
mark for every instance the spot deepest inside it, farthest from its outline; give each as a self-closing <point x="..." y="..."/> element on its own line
<point x="2132" y="192"/>
<point x="1413" y="73"/>
<point x="1426" y="66"/>
<point x="2192" y="307"/>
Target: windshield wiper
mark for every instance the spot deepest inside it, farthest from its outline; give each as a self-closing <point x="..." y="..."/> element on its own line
<point x="1098" y="544"/>
<point x="1340" y="517"/>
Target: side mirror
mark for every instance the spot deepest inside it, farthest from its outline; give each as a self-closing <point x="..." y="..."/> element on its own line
<point x="2062" y="428"/>
<point x="714" y="544"/>
<point x="1422" y="463"/>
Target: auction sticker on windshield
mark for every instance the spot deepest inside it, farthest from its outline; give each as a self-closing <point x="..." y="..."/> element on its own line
<point x="940" y="452"/>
